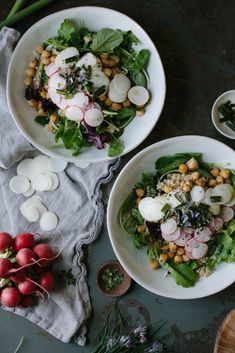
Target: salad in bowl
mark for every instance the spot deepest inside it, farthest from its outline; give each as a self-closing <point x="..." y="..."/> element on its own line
<point x="87" y="86"/>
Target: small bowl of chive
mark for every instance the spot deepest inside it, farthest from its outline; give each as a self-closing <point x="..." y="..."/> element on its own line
<point x="112" y="279"/>
<point x="223" y="114"/>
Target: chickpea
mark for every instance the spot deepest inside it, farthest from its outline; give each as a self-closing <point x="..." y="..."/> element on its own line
<point x="170" y="255"/>
<point x="219" y="179"/>
<point x="46" y="54"/>
<point x="200" y="182"/>
<point x="108" y="102"/>
<point x="33" y="64"/>
<point x="41" y="112"/>
<point x="30" y="72"/>
<point x="167" y="189"/>
<point x="116" y="106"/>
<point x="215" y="172"/>
<point x="177" y="259"/>
<point x="180" y="251"/>
<point x="39" y="50"/>
<point x="195" y="176"/>
<point x="102" y="98"/>
<point x="163" y="257"/>
<point x="228" y="181"/>
<point x="165" y="247"/>
<point x="185" y="258"/>
<point x="154" y="264"/>
<point x="115" y="58"/>
<point x="192" y="164"/>
<point x="110" y="63"/>
<point x="186" y="188"/>
<point x="52" y="58"/>
<point x="54" y="118"/>
<point x="126" y="103"/>
<point x="140" y="112"/>
<point x="189" y="183"/>
<point x="114" y="71"/>
<point x="28" y="81"/>
<point x="33" y="103"/>
<point x="39" y="105"/>
<point x="225" y="173"/>
<point x="140" y="192"/>
<point x="46" y="61"/>
<point x="137" y="201"/>
<point x="108" y="71"/>
<point x="172" y="246"/>
<point x="104" y="56"/>
<point x="212" y="183"/>
<point x="183" y="168"/>
<point x="141" y="229"/>
<point x="43" y="94"/>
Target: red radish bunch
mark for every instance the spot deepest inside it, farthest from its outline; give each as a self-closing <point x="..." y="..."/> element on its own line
<point x="24" y="269"/>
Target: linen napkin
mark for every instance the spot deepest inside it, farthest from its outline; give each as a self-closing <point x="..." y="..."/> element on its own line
<point x="77" y="203"/>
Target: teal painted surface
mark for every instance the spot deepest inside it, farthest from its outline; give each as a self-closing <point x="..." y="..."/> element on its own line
<point x="195" y="41"/>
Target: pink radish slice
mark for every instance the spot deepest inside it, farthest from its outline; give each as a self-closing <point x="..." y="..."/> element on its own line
<point x="182" y="240"/>
<point x="189" y="254"/>
<point x="74" y="113"/>
<point x="173" y="236"/>
<point x="190" y="244"/>
<point x="63" y="103"/>
<point x="212" y="222"/>
<point x="169" y="226"/>
<point x="79" y="99"/>
<point x="94" y="117"/>
<point x="55" y="97"/>
<point x="199" y="250"/>
<point x="56" y="81"/>
<point x="218" y="223"/>
<point x="51" y="69"/>
<point x="92" y="105"/>
<point x="203" y="234"/>
<point x="227" y="214"/>
<point x="188" y="230"/>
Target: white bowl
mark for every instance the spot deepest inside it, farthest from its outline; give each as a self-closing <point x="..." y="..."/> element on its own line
<point x="134" y="261"/>
<point x="215" y="114"/>
<point x="94" y="18"/>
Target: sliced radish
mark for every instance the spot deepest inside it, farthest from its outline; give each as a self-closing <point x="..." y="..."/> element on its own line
<point x="32" y="214"/>
<point x="94" y="117"/>
<point x="29" y="192"/>
<point x="190" y="244"/>
<point x="48" y="221"/>
<point x="223" y="190"/>
<point x="176" y="197"/>
<point x="173" y="236"/>
<point x="56" y="81"/>
<point x="232" y="202"/>
<point x="79" y="99"/>
<point x="92" y="105"/>
<point x="203" y="234"/>
<point x="214" y="209"/>
<point x="212" y="222"/>
<point x="150" y="209"/>
<point x="169" y="226"/>
<point x="121" y="83"/>
<point x="32" y="202"/>
<point x="189" y="254"/>
<point x="74" y="113"/>
<point x="199" y="250"/>
<point x="24" y="167"/>
<point x="68" y="53"/>
<point x="98" y="78"/>
<point x="116" y="97"/>
<point x="207" y="198"/>
<point x="183" y="238"/>
<point x="227" y="214"/>
<point x="87" y="60"/>
<point x="51" y="69"/>
<point x="55" y="97"/>
<point x="218" y="223"/>
<point x="197" y="193"/>
<point x="138" y="95"/>
<point x="58" y="165"/>
<point x="40" y="164"/>
<point x="188" y="230"/>
<point x="55" y="181"/>
<point x="40" y="182"/>
<point x="19" y="184"/>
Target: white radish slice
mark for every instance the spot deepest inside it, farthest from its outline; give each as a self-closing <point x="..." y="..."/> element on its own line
<point x="50" y="181"/>
<point x="224" y="191"/>
<point x="188" y="230"/>
<point x="63" y="103"/>
<point x="94" y="117"/>
<point x="227" y="214"/>
<point x="150" y="209"/>
<point x="116" y="97"/>
<point x="231" y="203"/>
<point x="55" y="181"/>
<point x="121" y="83"/>
<point x="29" y="192"/>
<point x="56" y="81"/>
<point x="218" y="223"/>
<point x="92" y="105"/>
<point x="74" y="113"/>
<point x="207" y="198"/>
<point x="98" y="78"/>
<point x="161" y="198"/>
<point x="51" y="69"/>
<point x="199" y="250"/>
<point x="60" y="60"/>
<point x="86" y="60"/>
<point x="19" y="184"/>
<point x="214" y="209"/>
<point x="54" y="96"/>
<point x="190" y="244"/>
<point x="212" y="222"/>
<point x="138" y="95"/>
<point x="176" y="197"/>
<point x="34" y="201"/>
<point x="48" y="221"/>
<point x="79" y="99"/>
<point x="40" y="164"/>
<point x="82" y="165"/>
<point x="40" y="182"/>
<point x="169" y="226"/>
<point x="183" y="238"/>
<point x="173" y="236"/>
<point x="32" y="214"/>
<point x="24" y="167"/>
<point x="58" y="165"/>
<point x="189" y="254"/>
<point x="203" y="235"/>
<point x="197" y="193"/>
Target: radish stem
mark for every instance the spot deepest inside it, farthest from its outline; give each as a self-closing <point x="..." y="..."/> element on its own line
<point x="20" y="344"/>
<point x="17" y="7"/>
<point x="25" y="12"/>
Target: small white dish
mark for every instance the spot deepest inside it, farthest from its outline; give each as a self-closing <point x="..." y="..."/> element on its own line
<point x="215" y="114"/>
<point x="134" y="261"/>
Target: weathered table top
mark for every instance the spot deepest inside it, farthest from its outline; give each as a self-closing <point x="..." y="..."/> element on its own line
<point x="196" y="43"/>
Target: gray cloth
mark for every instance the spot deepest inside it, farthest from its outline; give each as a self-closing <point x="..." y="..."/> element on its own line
<point x="77" y="202"/>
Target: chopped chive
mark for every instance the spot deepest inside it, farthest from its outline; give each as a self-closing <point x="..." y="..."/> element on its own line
<point x="215" y="198"/>
<point x="73" y="58"/>
<point x="165" y="208"/>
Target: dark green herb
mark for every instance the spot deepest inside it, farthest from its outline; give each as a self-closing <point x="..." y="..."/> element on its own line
<point x="71" y="135"/>
<point x="106" y="39"/>
<point x="183" y="274"/>
<point x="168" y="163"/>
<point x="71" y="280"/>
<point x="99" y="92"/>
<point x="166" y="208"/>
<point x="216" y="198"/>
<point x="42" y="120"/>
<point x="73" y="58"/>
<point x="192" y="215"/>
<point x="44" y="78"/>
<point x="112" y="277"/>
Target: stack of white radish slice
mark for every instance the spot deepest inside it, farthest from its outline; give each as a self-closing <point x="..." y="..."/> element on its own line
<point x="39" y="173"/>
<point x="35" y="211"/>
<point x="118" y="88"/>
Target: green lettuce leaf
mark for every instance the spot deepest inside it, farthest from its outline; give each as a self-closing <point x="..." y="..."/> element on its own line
<point x="182" y="273"/>
<point x="106" y="40"/>
<point x="116" y="147"/>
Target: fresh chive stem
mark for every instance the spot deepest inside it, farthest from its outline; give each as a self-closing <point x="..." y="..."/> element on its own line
<point x="18" y="5"/>
<point x="25" y="12"/>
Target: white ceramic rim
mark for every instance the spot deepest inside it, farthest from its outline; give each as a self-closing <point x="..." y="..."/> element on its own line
<point x="128" y="165"/>
<point x="50" y="152"/>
